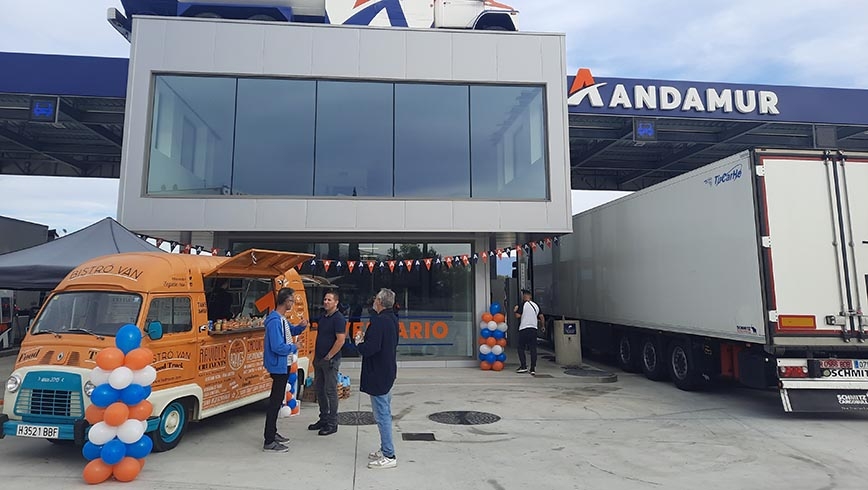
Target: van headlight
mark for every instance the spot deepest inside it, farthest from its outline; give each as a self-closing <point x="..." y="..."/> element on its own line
<point x="88" y="388"/>
<point x="13" y="383"/>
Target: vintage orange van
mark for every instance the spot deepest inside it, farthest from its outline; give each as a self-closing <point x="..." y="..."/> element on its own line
<point x="205" y="366"/>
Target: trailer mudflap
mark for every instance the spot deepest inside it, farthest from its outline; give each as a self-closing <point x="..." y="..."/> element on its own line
<point x="825" y="400"/>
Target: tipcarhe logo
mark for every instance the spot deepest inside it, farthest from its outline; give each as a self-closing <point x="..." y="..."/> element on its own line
<point x="730" y="175"/>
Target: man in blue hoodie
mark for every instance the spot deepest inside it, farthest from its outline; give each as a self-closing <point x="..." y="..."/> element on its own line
<point x="378" y="346"/>
<point x="278" y="346"/>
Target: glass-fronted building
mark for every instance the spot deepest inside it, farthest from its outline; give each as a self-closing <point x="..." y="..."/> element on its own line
<point x="384" y="152"/>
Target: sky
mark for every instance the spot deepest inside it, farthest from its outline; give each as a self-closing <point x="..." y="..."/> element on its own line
<point x="771" y="42"/>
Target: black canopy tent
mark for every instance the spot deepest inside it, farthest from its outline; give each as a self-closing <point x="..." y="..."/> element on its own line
<point x="42" y="267"/>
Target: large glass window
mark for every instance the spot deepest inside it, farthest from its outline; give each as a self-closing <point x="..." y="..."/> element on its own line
<point x="174" y="313"/>
<point x="432" y="153"/>
<point x="508" y="142"/>
<point x="354" y="136"/>
<point x="281" y="137"/>
<point x="435" y="301"/>
<point x="274" y="137"/>
<point x="193" y="127"/>
<point x="88" y="313"/>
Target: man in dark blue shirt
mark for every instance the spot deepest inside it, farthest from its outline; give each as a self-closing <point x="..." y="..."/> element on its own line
<point x="330" y="337"/>
<point x="378" y="346"/>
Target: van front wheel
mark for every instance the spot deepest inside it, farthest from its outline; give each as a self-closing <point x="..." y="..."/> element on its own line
<point x="170" y="429"/>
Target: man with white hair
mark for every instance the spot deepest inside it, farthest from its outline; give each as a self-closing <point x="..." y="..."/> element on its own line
<point x="378" y="346"/>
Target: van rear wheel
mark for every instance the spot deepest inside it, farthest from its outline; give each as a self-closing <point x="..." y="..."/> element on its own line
<point x="171" y="427"/>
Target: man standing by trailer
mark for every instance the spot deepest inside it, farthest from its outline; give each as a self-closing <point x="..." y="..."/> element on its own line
<point x="330" y="337"/>
<point x="529" y="317"/>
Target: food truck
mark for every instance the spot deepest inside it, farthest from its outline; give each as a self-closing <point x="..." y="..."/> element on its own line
<point x="205" y="366"/>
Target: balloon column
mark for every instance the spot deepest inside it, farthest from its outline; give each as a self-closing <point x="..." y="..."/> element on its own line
<point x="492" y="339"/>
<point x="292" y="405"/>
<point x="119" y="410"/>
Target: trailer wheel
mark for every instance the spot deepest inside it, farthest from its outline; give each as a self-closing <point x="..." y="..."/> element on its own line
<point x="171" y="426"/>
<point x="628" y="353"/>
<point x="652" y="359"/>
<point x="682" y="367"/>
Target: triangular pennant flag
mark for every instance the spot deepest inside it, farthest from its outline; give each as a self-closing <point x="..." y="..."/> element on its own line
<point x="437" y="262"/>
<point x="339" y="265"/>
<point x="408" y="264"/>
<point x="549" y="242"/>
<point x="448" y="262"/>
<point x="229" y="253"/>
<point x="428" y="263"/>
<point x="417" y="263"/>
<point x="526" y="248"/>
<point x="313" y="263"/>
<point x="326" y="264"/>
<point x="298" y="265"/>
<point x="542" y="245"/>
<point x="159" y="242"/>
<point x="475" y="258"/>
<point x="214" y="251"/>
<point x="391" y="266"/>
<point x="465" y="259"/>
<point x="517" y="251"/>
<point x="199" y="249"/>
<point x="557" y="241"/>
<point x="485" y="257"/>
<point x="172" y="246"/>
<point x="187" y="248"/>
<point x="533" y="246"/>
<point x="371" y="266"/>
<point x="499" y="254"/>
<point x="351" y="264"/>
<point x="382" y="265"/>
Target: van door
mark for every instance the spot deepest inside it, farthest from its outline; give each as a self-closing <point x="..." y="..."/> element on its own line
<point x="176" y="353"/>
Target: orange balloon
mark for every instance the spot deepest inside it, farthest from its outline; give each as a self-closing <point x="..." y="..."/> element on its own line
<point x="501" y="342"/>
<point x="486" y="317"/>
<point x="499" y="318"/>
<point x="491" y="341"/>
<point x="141" y="410"/>
<point x="116" y="414"/>
<point x="484" y="366"/>
<point x="97" y="471"/>
<point x="138" y="358"/>
<point x="127" y="469"/>
<point x="94" y="414"/>
<point x="497" y="366"/>
<point x="110" y="358"/>
<point x="482" y="340"/>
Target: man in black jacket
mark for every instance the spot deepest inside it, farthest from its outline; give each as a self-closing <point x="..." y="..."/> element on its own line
<point x="378" y="346"/>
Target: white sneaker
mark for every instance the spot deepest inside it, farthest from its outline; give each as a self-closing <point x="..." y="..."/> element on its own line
<point x="383" y="462"/>
<point x="375" y="455"/>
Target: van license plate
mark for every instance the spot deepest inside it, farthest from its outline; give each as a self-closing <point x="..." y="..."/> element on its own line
<point x="42" y="431"/>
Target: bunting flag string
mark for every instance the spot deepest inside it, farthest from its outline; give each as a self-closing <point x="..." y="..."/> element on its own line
<point x="403" y="265"/>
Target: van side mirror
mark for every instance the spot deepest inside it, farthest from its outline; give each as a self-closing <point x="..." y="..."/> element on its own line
<point x="155" y="330"/>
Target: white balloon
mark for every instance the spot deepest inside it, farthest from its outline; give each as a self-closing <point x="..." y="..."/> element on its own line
<point x="99" y="376"/>
<point x="130" y="431"/>
<point x="502" y="326"/>
<point x="497" y="350"/>
<point x="101" y="433"/>
<point x="121" y="377"/>
<point x="484" y="349"/>
<point x="492" y="325"/>
<point x="144" y="426"/>
<point x="284" y="412"/>
<point x="145" y="376"/>
<point x="483" y="325"/>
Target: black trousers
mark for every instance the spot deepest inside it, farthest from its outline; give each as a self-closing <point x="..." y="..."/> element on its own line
<point x="326" y="385"/>
<point x="527" y="340"/>
<point x="275" y="400"/>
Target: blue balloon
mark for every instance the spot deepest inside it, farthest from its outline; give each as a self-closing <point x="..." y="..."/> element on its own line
<point x="140" y="448"/>
<point x="482" y="356"/>
<point x="129" y="337"/>
<point x="90" y="451"/>
<point x="292" y="404"/>
<point x="132" y="394"/>
<point x="293" y="377"/>
<point x="113" y="451"/>
<point x="497" y="334"/>
<point x="292" y="389"/>
<point x="146" y="392"/>
<point x="104" y="395"/>
<point x="490" y="357"/>
<point x="485" y="333"/>
<point x="495" y="308"/>
<point x="501" y="357"/>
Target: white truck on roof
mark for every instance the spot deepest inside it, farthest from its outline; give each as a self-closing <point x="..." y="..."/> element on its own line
<point x="753" y="268"/>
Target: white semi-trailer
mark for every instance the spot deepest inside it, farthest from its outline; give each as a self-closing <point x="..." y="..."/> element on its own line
<point x="753" y="268"/>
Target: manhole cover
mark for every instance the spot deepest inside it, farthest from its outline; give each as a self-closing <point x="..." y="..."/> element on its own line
<point x="356" y="418"/>
<point x="583" y="372"/>
<point x="543" y="376"/>
<point x="464" y="418"/>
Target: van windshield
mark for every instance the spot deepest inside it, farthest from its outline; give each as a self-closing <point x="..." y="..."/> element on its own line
<point x="88" y="313"/>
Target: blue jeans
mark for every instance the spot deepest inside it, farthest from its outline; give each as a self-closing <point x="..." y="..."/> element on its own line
<point x="382" y="408"/>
